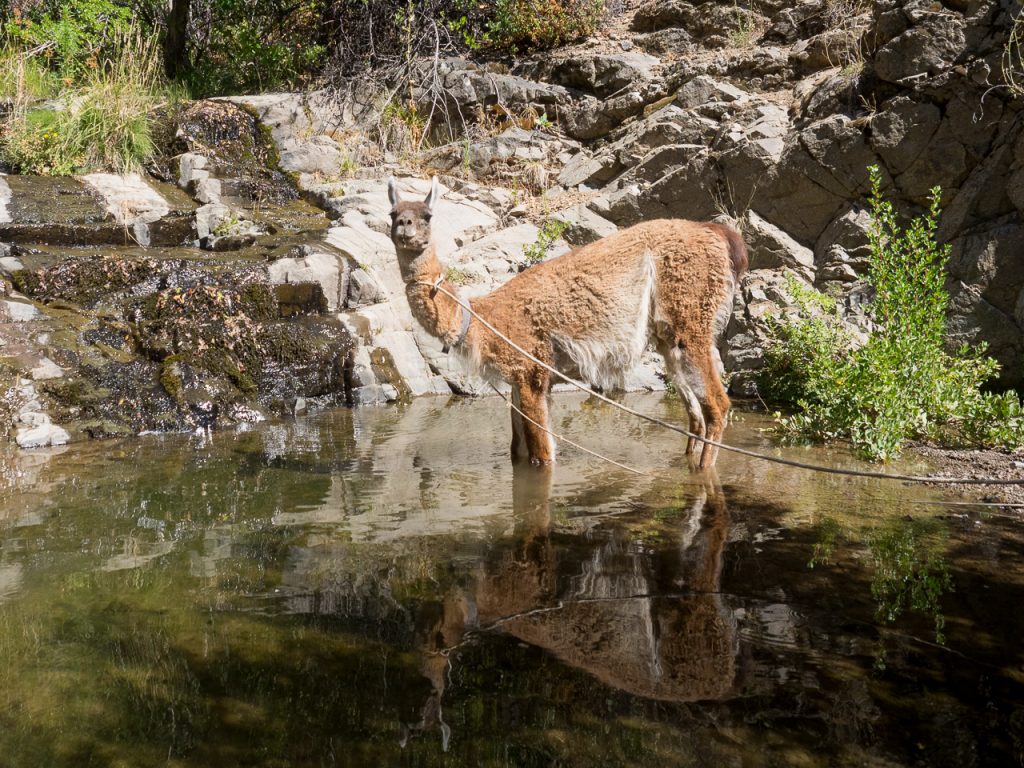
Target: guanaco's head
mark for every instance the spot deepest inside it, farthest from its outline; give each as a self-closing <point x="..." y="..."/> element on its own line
<point x="410" y="221"/>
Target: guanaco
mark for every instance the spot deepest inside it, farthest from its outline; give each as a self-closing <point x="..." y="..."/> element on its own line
<point x="590" y="313"/>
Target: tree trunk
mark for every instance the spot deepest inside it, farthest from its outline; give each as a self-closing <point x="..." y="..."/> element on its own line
<point x="176" y="39"/>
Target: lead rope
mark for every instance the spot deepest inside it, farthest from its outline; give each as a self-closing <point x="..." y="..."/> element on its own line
<point x="566" y="440"/>
<point x="725" y="446"/>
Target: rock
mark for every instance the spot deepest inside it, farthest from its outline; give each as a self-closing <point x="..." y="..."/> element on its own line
<point x="843" y="251"/>
<point x="363" y="290"/>
<point x="986" y="280"/>
<point x="319" y="266"/>
<point x="688" y="190"/>
<point x="510" y="154"/>
<point x="941" y="162"/>
<point x="507" y="245"/>
<point x="666" y="42"/>
<point x="192" y="167"/>
<point x="468" y="91"/>
<point x="46" y="369"/>
<point x="929" y="47"/>
<point x="5" y="199"/>
<point x="585" y="226"/>
<point x="584" y="168"/>
<point x="220" y="228"/>
<point x="704" y="90"/>
<point x="292" y="118"/>
<point x="667" y="125"/>
<point x="207" y="190"/>
<point x="902" y="131"/>
<point x="715" y="25"/>
<point x="320" y="155"/>
<point x="130" y="201"/>
<point x="32" y="418"/>
<point x="821" y="168"/>
<point x="9" y="264"/>
<point x="655" y="15"/>
<point x="41" y="436"/>
<point x="18" y="311"/>
<point x="209" y="217"/>
<point x="599" y="75"/>
<point x="835" y="47"/>
<point x="771" y="248"/>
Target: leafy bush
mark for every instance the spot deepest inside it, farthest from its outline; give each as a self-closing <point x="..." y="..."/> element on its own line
<point x="104" y="123"/>
<point x="901" y="382"/>
<point x="532" y="24"/>
<point x="73" y="36"/>
<point x="243" y="46"/>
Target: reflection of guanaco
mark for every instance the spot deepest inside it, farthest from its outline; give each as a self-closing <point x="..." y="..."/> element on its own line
<point x="611" y="622"/>
<point x="592" y="311"/>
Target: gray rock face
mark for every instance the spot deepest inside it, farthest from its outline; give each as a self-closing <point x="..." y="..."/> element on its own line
<point x="603" y="76"/>
<point x="320" y="266"/>
<point x="932" y="45"/>
<point x="770" y="247"/>
<point x="782" y="130"/>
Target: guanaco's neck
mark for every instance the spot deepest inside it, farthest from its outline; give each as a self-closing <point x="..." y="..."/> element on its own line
<point x="436" y="312"/>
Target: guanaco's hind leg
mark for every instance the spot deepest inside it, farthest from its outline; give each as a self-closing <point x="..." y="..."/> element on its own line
<point x="688" y="383"/>
<point x="699" y="384"/>
<point x="715" y="404"/>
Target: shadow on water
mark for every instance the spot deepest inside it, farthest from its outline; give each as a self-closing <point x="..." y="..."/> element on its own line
<point x="379" y="587"/>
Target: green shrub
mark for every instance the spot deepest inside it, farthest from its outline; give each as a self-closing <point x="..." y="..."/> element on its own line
<point x="23" y="77"/>
<point x="104" y="123"/>
<point x="531" y="24"/>
<point x="547" y="235"/>
<point x="900" y="383"/>
<point x="74" y="36"/>
<point x="247" y="46"/>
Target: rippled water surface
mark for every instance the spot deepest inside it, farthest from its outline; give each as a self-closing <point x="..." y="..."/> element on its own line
<point x="379" y="587"/>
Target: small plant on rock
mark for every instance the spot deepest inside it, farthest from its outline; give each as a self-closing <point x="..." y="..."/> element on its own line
<point x="548" y="234"/>
<point x="901" y="383"/>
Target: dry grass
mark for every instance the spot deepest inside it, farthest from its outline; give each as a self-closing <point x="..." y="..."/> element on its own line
<point x="103" y="123"/>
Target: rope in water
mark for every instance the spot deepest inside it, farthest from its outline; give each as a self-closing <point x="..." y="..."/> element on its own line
<point x="566" y="440"/>
<point x="724" y="446"/>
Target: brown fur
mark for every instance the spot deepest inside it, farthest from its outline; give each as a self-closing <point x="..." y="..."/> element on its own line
<point x="586" y="308"/>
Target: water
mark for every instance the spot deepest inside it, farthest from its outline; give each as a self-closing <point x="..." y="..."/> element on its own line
<point x="380" y="587"/>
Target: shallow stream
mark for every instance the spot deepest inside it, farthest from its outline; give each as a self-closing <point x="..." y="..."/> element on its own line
<point x="379" y="587"/>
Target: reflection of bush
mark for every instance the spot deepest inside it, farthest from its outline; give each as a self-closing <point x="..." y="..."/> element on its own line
<point x="910" y="572"/>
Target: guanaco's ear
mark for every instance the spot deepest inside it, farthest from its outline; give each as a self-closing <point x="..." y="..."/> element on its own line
<point x="393" y="192"/>
<point x="432" y="195"/>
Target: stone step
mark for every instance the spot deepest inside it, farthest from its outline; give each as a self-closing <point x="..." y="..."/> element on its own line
<point x="100" y="209"/>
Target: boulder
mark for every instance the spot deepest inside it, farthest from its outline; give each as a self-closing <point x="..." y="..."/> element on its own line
<point x="772" y="248"/>
<point x="927" y="48"/>
<point x="319" y="155"/>
<point x="585" y="226"/>
<point x="129" y="201"/>
<point x="42" y="436"/>
<point x="317" y="265"/>
<point x="843" y="249"/>
<point x="705" y="90"/>
<point x="600" y="75"/>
